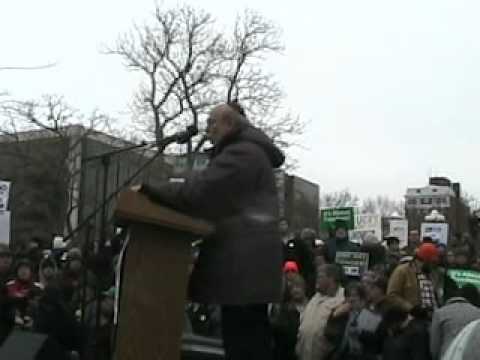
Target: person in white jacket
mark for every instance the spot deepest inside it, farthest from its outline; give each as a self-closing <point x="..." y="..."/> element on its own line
<point x="312" y="344"/>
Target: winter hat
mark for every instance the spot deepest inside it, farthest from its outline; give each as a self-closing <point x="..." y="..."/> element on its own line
<point x="290" y="266"/>
<point x="428" y="252"/>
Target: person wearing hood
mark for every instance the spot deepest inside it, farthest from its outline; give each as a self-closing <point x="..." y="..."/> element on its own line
<point x="340" y="242"/>
<point x="240" y="266"/>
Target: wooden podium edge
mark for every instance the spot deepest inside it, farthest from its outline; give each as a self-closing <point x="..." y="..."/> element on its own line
<point x="136" y="207"/>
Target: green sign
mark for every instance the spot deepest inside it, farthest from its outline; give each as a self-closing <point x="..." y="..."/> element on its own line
<point x="329" y="216"/>
<point x="463" y="277"/>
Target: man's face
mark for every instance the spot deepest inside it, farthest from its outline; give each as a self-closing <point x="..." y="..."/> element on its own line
<point x="219" y="124"/>
<point x="341" y="233"/>
<point x="297" y="291"/>
<point x="374" y="293"/>
<point x="5" y="263"/>
<point x="24" y="273"/>
<point x="323" y="282"/>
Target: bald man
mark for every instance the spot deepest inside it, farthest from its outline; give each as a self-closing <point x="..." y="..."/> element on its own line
<point x="239" y="267"/>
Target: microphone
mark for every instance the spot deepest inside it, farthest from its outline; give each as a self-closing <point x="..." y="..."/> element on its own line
<point x="184" y="136"/>
<point x="181" y="137"/>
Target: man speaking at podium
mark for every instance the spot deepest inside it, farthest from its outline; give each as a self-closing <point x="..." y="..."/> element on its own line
<point x="239" y="267"/>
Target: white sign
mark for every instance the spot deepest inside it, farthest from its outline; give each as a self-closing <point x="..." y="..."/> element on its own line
<point x="4" y="194"/>
<point x="365" y="225"/>
<point x="5" y="227"/>
<point x="437" y="231"/>
<point x="399" y="229"/>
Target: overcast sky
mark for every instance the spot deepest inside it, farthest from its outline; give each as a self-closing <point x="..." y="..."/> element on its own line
<point x="391" y="89"/>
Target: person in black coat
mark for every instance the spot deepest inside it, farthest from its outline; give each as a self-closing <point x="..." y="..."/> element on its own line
<point x="240" y="266"/>
<point x="300" y="250"/>
<point x="407" y="338"/>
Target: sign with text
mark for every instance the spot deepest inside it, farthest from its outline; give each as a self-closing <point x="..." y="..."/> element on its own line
<point x="353" y="263"/>
<point x="4" y="194"/>
<point x="463" y="277"/>
<point x="399" y="229"/>
<point x="437" y="231"/>
<point x="329" y="216"/>
<point x="365" y="225"/>
<point x="5" y="227"/>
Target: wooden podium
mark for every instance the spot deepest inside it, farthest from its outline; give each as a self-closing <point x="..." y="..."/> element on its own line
<point x="154" y="279"/>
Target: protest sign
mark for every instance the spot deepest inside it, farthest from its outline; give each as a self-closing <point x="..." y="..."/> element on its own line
<point x="399" y="229"/>
<point x="365" y="225"/>
<point x="437" y="231"/>
<point x="463" y="277"/>
<point x="5" y="227"/>
<point x="353" y="263"/>
<point x="4" y="194"/>
<point x="329" y="216"/>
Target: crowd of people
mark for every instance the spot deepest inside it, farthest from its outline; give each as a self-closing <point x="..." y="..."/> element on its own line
<point x="60" y="293"/>
<point x="404" y="307"/>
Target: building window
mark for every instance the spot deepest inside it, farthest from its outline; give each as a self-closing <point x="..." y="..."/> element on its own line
<point x="412" y="202"/>
<point x="426" y="201"/>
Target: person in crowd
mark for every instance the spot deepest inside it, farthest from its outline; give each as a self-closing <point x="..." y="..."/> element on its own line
<point x="412" y="284"/>
<point x="6" y="262"/>
<point x="407" y="337"/>
<point x="340" y="242"/>
<point x="240" y="266"/>
<point x="23" y="292"/>
<point x="285" y="318"/>
<point x="7" y="310"/>
<point x="99" y="342"/>
<point x="394" y="255"/>
<point x="465" y="344"/>
<point x="449" y="320"/>
<point x="320" y="255"/>
<point x="376" y="293"/>
<point x="312" y="343"/>
<point x="285" y="233"/>
<point x="450" y="259"/>
<point x="476" y="263"/>
<point x="34" y="251"/>
<point x="413" y="242"/>
<point x="361" y="323"/>
<point x="300" y="250"/>
<point x="462" y="258"/>
<point x="55" y="318"/>
<point x="377" y="255"/>
<point x="48" y="272"/>
<point x="471" y="294"/>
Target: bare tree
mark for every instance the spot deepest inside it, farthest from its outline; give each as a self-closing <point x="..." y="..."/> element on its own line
<point x="342" y="198"/>
<point x="383" y="205"/>
<point x="50" y="168"/>
<point x="471" y="201"/>
<point x="189" y="66"/>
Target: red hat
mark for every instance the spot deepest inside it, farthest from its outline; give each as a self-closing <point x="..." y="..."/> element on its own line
<point x="428" y="252"/>
<point x="290" y="266"/>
